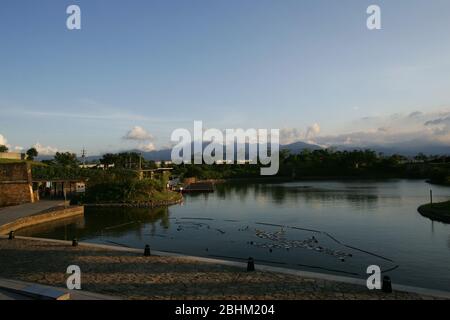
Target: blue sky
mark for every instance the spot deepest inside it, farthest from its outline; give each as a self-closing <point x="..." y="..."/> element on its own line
<point x="147" y="67"/>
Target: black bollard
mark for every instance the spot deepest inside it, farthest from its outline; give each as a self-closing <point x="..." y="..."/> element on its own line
<point x="11" y="235"/>
<point x="250" y="264"/>
<point x="387" y="285"/>
<point x="147" y="251"/>
<point x="75" y="242"/>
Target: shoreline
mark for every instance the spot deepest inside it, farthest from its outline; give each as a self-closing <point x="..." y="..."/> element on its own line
<point x="60" y="212"/>
<point x="126" y="273"/>
<point x="439" y="211"/>
<point x="41" y="217"/>
<point x="318" y="178"/>
<point x="150" y="204"/>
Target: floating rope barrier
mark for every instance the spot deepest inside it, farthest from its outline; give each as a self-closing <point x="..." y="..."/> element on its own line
<point x="117" y="243"/>
<point x="245" y="259"/>
<point x="304" y="229"/>
<point x="327" y="269"/>
<point x="271" y="224"/>
<point x="331" y="237"/>
<point x="226" y="257"/>
<point x="277" y="239"/>
<point x="270" y="261"/>
<point x="372" y="254"/>
<point x="282" y="243"/>
<point x="119" y="225"/>
<point x="156" y="235"/>
<point x="391" y="269"/>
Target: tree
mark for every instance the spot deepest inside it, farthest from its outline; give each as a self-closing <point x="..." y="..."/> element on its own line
<point x="31" y="154"/>
<point x="48" y="162"/>
<point x="108" y="160"/>
<point x="421" y="157"/>
<point x="66" y="159"/>
<point x="3" y="148"/>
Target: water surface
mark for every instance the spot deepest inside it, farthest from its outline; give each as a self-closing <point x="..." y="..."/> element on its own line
<point x="326" y="226"/>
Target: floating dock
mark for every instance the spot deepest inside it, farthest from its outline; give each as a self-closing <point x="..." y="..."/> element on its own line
<point x="198" y="187"/>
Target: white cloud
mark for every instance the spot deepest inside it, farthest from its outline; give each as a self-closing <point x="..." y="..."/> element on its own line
<point x="393" y="129"/>
<point x="45" y="150"/>
<point x="139" y="134"/>
<point x="291" y="135"/>
<point x="312" y="131"/>
<point x="147" y="147"/>
<point x="144" y="138"/>
<point x="431" y="126"/>
<point x="3" y="140"/>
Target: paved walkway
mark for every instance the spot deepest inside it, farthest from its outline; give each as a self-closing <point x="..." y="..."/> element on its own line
<point x="10" y="214"/>
<point x="20" y="290"/>
<point x="6" y="295"/>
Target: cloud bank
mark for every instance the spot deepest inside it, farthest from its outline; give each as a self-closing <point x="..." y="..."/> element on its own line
<point x="421" y="127"/>
<point x="291" y="135"/>
<point x="3" y="141"/>
<point x="45" y="150"/>
<point x="140" y="135"/>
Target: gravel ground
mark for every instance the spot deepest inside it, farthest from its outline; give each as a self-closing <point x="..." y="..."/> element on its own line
<point x="131" y="276"/>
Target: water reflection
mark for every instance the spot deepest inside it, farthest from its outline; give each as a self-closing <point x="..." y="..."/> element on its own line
<point x="102" y="221"/>
<point x="357" y="196"/>
<point x="378" y="217"/>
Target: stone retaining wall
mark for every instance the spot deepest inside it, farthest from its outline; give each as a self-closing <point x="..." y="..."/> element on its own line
<point x="150" y="204"/>
<point x="50" y="215"/>
<point x="15" y="184"/>
<point x="15" y="193"/>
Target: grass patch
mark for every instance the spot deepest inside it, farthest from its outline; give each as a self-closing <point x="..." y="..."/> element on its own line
<point x="436" y="211"/>
<point x="33" y="163"/>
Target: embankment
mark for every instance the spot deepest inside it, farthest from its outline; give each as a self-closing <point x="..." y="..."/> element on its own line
<point x="56" y="213"/>
<point x="436" y="211"/>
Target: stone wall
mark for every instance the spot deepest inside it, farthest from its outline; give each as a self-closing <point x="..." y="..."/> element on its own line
<point x="15" y="184"/>
<point x="52" y="214"/>
<point x="15" y="172"/>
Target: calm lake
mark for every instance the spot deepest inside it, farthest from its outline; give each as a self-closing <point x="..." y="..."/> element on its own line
<point x="320" y="226"/>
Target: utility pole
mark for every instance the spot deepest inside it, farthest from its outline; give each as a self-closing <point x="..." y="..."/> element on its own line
<point x="83" y="156"/>
<point x="141" y="173"/>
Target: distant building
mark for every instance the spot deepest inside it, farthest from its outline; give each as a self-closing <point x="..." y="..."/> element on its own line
<point x="59" y="188"/>
<point x="224" y="161"/>
<point x="159" y="163"/>
<point x="173" y="183"/>
<point x="12" y="155"/>
<point x="156" y="174"/>
<point x="80" y="187"/>
<point x="17" y="185"/>
<point x="244" y="161"/>
<point x="95" y="166"/>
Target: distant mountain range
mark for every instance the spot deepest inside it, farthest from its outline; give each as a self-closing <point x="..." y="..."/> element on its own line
<point x="165" y="154"/>
<point x="409" y="148"/>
